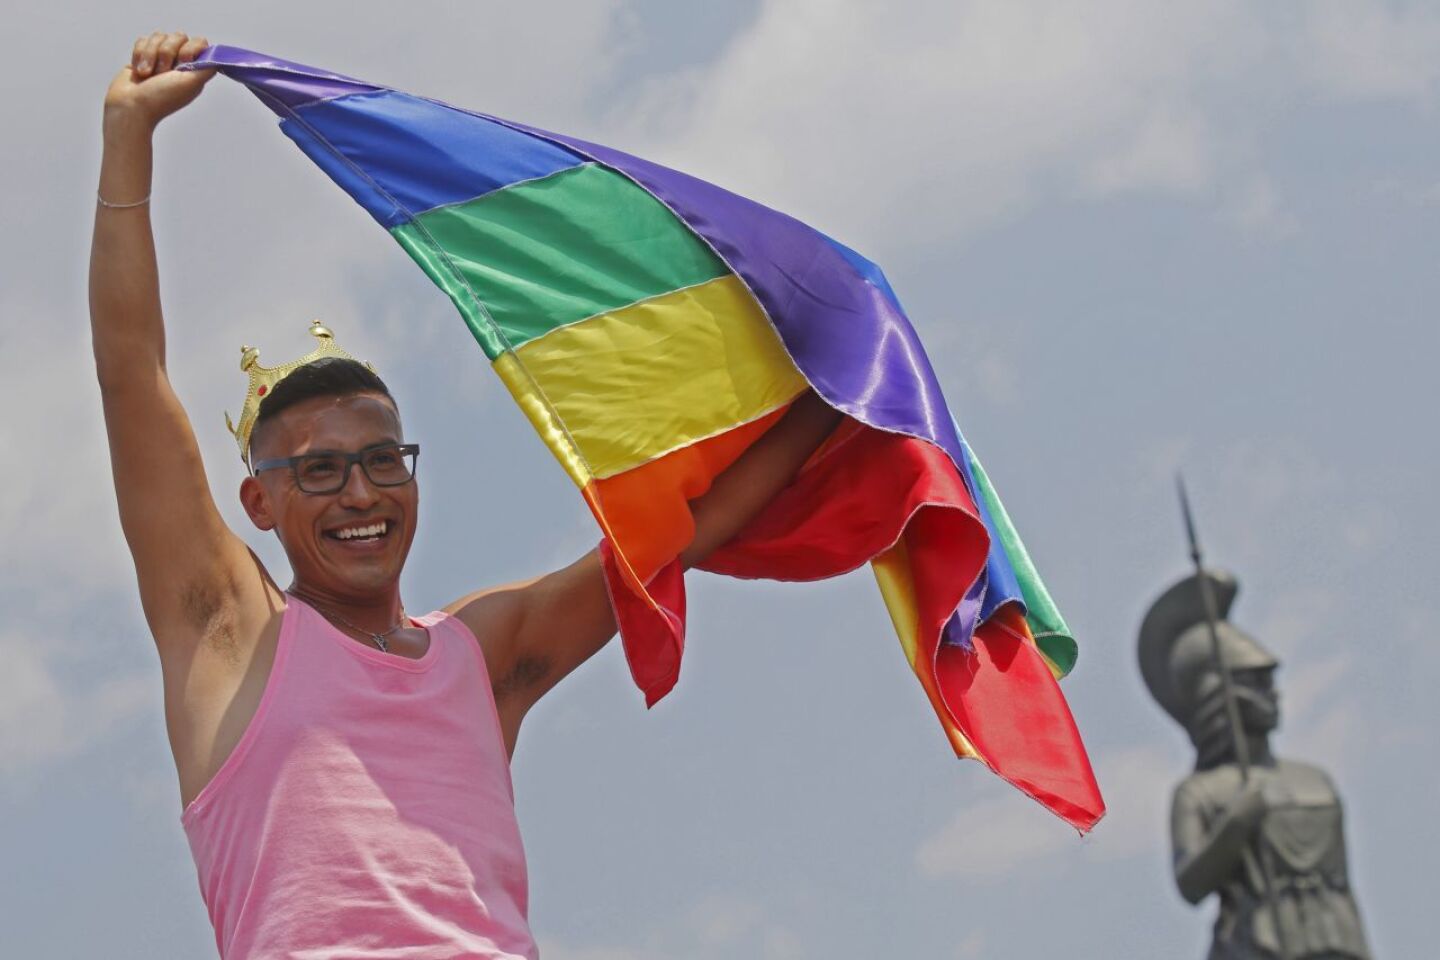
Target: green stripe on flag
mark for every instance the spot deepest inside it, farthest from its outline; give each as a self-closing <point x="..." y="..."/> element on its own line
<point x="544" y="253"/>
<point x="1052" y="635"/>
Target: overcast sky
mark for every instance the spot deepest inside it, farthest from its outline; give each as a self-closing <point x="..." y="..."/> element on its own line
<point x="1135" y="236"/>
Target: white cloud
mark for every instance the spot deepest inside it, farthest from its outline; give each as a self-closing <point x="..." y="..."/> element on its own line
<point x="555" y="950"/>
<point x="991" y="839"/>
<point x="1331" y="739"/>
<point x="972" y="947"/>
<point x="43" y="720"/>
<point x="58" y="502"/>
<point x="1137" y="782"/>
<point x="1253" y="204"/>
<point x="1415" y="194"/>
<point x="1166" y="152"/>
<point x="1322" y="720"/>
<point x="907" y="129"/>
<point x="1309" y="686"/>
<point x="947" y="116"/>
<point x="1006" y="834"/>
<point x="716" y="927"/>
<point x="1371" y="50"/>
<point x="32" y="709"/>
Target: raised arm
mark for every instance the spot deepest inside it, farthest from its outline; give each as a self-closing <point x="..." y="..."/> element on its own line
<point x="192" y="570"/>
<point x="537" y="632"/>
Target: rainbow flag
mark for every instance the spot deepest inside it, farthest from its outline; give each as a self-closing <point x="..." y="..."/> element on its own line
<point x="652" y="326"/>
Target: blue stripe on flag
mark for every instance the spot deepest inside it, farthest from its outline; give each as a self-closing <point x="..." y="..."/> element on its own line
<point x="421" y="153"/>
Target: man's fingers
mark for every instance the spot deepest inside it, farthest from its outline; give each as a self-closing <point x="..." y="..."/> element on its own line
<point x="160" y="51"/>
<point x="191" y="49"/>
<point x="153" y="55"/>
<point x="166" y="52"/>
<point x="146" y="66"/>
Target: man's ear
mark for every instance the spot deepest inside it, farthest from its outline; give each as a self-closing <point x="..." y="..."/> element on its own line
<point x="256" y="501"/>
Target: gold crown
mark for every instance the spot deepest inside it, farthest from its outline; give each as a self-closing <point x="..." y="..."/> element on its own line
<point x="264" y="379"/>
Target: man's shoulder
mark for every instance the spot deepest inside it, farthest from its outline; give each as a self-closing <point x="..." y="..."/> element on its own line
<point x="492" y="614"/>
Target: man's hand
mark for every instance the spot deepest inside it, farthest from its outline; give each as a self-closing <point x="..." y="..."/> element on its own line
<point x="150" y="88"/>
<point x="535" y="633"/>
<point x="740" y="492"/>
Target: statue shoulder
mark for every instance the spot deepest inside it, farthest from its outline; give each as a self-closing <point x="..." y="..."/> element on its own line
<point x="1300" y="769"/>
<point x="1307" y="782"/>
<point x="1210" y="788"/>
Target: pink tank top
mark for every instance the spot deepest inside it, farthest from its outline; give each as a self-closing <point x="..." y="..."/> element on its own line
<point x="367" y="810"/>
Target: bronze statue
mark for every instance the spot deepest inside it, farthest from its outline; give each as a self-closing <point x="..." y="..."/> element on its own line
<point x="1262" y="833"/>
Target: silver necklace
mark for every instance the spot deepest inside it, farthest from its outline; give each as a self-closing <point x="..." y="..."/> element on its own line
<point x="378" y="638"/>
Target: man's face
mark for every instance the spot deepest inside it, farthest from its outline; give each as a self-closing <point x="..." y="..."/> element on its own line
<point x="310" y="525"/>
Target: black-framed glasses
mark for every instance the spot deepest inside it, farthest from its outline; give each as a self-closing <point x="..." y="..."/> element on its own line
<point x="385" y="465"/>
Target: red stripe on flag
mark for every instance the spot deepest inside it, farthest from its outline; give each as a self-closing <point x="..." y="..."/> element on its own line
<point x="1000" y="694"/>
<point x="856" y="497"/>
<point x="852" y="501"/>
<point x="1006" y="700"/>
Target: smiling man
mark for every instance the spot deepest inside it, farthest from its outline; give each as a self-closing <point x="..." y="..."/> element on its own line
<point x="343" y="766"/>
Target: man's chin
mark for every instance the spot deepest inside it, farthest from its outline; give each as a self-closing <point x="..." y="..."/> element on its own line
<point x="353" y="571"/>
<point x="356" y="579"/>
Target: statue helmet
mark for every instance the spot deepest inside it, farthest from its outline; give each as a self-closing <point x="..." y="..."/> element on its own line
<point x="1175" y="649"/>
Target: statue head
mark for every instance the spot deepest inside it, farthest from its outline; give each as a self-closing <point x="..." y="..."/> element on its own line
<point x="1177" y="660"/>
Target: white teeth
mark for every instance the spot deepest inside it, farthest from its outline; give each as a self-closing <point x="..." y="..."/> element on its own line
<point x="374" y="530"/>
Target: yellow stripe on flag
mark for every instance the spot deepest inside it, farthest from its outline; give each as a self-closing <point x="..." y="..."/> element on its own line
<point x="638" y="382"/>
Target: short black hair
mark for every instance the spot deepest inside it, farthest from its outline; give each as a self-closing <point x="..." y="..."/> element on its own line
<point x="326" y="377"/>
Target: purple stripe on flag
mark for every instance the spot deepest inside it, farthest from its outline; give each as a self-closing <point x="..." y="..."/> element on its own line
<point x="287" y="84"/>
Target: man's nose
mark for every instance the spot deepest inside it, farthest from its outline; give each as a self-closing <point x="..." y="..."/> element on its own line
<point x="358" y="491"/>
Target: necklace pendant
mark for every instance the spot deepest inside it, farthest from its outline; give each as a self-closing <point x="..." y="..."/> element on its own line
<point x="380" y="642"/>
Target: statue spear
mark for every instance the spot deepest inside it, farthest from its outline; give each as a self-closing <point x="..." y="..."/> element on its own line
<point x="1207" y="600"/>
<point x="1232" y="708"/>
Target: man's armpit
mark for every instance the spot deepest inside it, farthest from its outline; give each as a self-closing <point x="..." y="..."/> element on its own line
<point x="210" y="609"/>
<point x="529" y="671"/>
